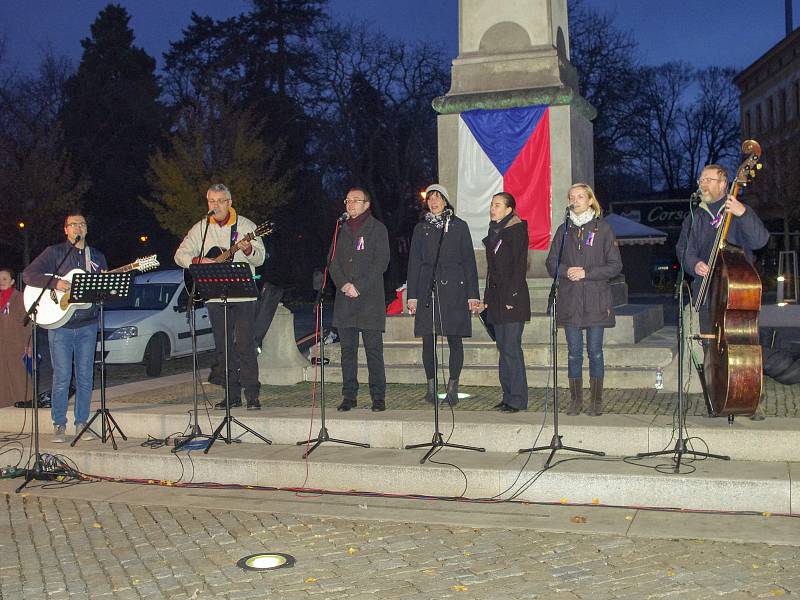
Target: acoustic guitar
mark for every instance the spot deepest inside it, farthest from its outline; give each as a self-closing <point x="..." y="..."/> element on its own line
<point x="220" y="255"/>
<point x="56" y="308"/>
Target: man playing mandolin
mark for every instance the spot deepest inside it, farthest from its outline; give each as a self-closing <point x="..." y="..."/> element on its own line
<point x="225" y="229"/>
<point x="75" y="341"/>
<point x="699" y="232"/>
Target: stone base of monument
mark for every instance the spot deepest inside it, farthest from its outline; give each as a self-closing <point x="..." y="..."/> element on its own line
<point x="280" y="362"/>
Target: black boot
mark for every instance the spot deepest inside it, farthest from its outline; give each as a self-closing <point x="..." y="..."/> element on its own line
<point x="236" y="402"/>
<point x="596" y="387"/>
<point x="576" y="397"/>
<point x="452" y="392"/>
<point x="430" y="395"/>
<point x="347" y="404"/>
<point x="378" y="404"/>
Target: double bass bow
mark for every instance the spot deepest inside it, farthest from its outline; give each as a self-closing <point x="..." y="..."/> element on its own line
<point x="733" y="363"/>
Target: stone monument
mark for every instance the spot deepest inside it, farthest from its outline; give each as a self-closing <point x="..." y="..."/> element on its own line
<point x="515" y="53"/>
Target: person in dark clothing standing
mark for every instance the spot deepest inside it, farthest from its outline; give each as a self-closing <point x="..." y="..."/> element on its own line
<point x="506" y="298"/>
<point x="699" y="231"/>
<point x="360" y="257"/>
<point x="74" y="342"/>
<point x="456" y="284"/>
<point x="589" y="260"/>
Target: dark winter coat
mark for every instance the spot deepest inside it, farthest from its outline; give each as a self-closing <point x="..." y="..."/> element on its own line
<point x="361" y="259"/>
<point x="698" y="235"/>
<point x="456" y="277"/>
<point x="507" y="265"/>
<point x="585" y="303"/>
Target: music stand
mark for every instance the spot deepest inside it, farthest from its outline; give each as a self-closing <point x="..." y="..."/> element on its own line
<point x="221" y="281"/>
<point x="96" y="288"/>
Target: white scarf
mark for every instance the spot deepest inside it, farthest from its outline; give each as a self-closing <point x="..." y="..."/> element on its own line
<point x="583" y="218"/>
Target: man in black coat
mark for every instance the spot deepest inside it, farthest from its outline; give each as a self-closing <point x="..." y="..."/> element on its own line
<point x="360" y="257"/>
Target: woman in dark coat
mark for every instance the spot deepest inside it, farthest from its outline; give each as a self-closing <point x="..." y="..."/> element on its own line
<point x="456" y="286"/>
<point x="589" y="260"/>
<point x="506" y="298"/>
<point x="16" y="343"/>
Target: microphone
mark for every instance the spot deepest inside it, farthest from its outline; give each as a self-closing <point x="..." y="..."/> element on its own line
<point x="78" y="238"/>
<point x="344" y="216"/>
<point x="697" y="195"/>
<point x="211" y="213"/>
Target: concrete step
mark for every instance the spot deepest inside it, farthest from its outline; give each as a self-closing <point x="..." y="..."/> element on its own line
<point x="634" y="322"/>
<point x="772" y="440"/>
<point x="478" y="353"/>
<point x="615" y="377"/>
<point x="704" y="485"/>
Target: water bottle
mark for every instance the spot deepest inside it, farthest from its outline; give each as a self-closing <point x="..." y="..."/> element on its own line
<point x="659" y="379"/>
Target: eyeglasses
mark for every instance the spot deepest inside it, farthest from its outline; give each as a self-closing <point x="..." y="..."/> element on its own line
<point x="76" y="224"/>
<point x="354" y="201"/>
<point x="215" y="201"/>
<point x="707" y="180"/>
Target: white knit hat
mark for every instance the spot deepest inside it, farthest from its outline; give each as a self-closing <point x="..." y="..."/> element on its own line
<point x="435" y="187"/>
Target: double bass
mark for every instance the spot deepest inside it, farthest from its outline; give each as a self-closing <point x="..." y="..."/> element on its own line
<point x="733" y="362"/>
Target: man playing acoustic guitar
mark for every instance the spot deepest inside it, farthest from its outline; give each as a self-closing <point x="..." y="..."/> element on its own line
<point x="224" y="229"/>
<point x="75" y="341"/>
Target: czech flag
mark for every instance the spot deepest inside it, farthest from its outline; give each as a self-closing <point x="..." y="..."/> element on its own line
<point x="505" y="150"/>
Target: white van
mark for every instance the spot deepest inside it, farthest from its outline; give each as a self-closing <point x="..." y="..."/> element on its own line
<point x="152" y="324"/>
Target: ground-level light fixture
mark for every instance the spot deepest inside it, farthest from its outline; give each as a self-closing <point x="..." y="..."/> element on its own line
<point x="461" y="396"/>
<point x="266" y="561"/>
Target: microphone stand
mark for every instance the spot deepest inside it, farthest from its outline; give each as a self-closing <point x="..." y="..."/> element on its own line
<point x="323" y="435"/>
<point x="437" y="441"/>
<point x="555" y="443"/>
<point x="38" y="470"/>
<point x="680" y="445"/>
<point x="190" y="309"/>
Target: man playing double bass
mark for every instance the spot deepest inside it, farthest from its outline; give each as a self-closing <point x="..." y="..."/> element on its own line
<point x="699" y="231"/>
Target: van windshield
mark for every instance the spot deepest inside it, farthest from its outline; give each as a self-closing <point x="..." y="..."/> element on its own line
<point x="146" y="296"/>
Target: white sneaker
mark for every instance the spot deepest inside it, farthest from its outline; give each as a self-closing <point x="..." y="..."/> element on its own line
<point x="59" y="434"/>
<point x="87" y="435"/>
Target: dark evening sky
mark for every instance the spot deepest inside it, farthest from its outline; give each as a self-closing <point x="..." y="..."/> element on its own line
<point x="703" y="32"/>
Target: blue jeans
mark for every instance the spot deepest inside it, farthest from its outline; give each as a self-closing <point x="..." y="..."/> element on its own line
<point x="594" y="350"/>
<point x="513" y="378"/>
<point x="70" y="347"/>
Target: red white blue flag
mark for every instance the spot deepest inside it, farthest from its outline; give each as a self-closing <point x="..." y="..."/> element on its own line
<point x="505" y="150"/>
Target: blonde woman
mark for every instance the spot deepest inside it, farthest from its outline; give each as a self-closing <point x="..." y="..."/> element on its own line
<point x="589" y="260"/>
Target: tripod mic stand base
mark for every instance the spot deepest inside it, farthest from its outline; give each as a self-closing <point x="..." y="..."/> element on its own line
<point x="556" y="445"/>
<point x="37" y="473"/>
<point x="323" y="437"/>
<point x="438" y="442"/>
<point x="679" y="451"/>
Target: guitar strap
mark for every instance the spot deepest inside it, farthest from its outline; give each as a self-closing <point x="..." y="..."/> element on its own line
<point x="234" y="234"/>
<point x="87" y="256"/>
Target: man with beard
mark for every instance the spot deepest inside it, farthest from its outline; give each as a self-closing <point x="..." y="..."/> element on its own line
<point x="699" y="232"/>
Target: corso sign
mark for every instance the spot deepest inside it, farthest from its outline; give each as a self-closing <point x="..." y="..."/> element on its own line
<point x="665" y="216"/>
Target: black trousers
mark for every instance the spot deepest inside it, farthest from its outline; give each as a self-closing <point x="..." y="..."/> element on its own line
<point x="513" y="378"/>
<point x="456" y="362"/>
<point x="242" y="362"/>
<point x="373" y="346"/>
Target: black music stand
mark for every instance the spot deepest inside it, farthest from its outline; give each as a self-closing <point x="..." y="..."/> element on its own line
<point x="97" y="288"/>
<point x="221" y="281"/>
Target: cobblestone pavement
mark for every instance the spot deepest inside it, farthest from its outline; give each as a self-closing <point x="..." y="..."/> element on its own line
<point x="62" y="548"/>
<point x="780" y="400"/>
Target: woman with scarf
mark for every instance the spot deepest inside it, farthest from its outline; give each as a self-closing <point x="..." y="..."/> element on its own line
<point x="16" y="340"/>
<point x="506" y="298"/>
<point x="444" y="236"/>
<point x="589" y="260"/>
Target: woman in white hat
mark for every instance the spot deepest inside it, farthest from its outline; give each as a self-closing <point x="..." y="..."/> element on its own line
<point x="442" y="304"/>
